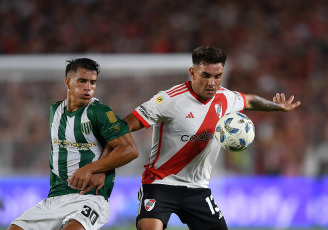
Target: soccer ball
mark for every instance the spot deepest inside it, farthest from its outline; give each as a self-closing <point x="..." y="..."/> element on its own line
<point x="235" y="132"/>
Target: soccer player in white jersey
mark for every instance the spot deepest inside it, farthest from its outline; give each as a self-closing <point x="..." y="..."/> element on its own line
<point x="183" y="150"/>
<point x="88" y="141"/>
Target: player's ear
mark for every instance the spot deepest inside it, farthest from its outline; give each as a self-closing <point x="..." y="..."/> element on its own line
<point x="67" y="81"/>
<point x="191" y="72"/>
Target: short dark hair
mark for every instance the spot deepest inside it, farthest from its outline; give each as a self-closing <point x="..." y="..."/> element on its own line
<point x="86" y="63"/>
<point x="208" y="55"/>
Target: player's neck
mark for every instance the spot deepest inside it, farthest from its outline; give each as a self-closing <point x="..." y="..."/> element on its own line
<point x="73" y="106"/>
<point x="200" y="97"/>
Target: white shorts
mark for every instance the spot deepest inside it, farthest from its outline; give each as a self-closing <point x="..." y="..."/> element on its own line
<point x="54" y="212"/>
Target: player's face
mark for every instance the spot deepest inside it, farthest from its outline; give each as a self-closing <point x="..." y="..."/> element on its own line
<point x="81" y="87"/>
<point x="206" y="79"/>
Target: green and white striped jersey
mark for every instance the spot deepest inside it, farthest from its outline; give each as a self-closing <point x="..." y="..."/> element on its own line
<point x="78" y="138"/>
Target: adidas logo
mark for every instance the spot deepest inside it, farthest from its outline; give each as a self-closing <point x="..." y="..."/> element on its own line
<point x="190" y="115"/>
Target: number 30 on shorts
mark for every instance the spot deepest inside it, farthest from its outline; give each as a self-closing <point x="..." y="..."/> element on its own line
<point x="91" y="214"/>
<point x="212" y="205"/>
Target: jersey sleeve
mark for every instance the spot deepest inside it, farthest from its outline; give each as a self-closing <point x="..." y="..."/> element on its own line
<point x="158" y="109"/>
<point x="110" y="126"/>
<point x="236" y="102"/>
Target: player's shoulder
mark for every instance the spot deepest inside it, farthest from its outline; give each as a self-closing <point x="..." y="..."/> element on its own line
<point x="96" y="106"/>
<point x="171" y="95"/>
<point x="56" y="104"/>
<point x="225" y="91"/>
<point x="222" y="90"/>
<point x="177" y="90"/>
<point x="229" y="94"/>
<point x="95" y="103"/>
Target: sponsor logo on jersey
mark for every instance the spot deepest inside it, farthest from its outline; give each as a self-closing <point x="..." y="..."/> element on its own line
<point x="200" y="138"/>
<point x="149" y="204"/>
<point x="218" y="110"/>
<point x="115" y="128"/>
<point x="160" y="99"/>
<point x="70" y="145"/>
<point x="190" y="115"/>
<point x="111" y="116"/>
<point x="144" y="112"/>
<point x="86" y="127"/>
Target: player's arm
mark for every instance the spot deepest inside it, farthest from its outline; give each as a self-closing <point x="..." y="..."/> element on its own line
<point x="133" y="122"/>
<point x="279" y="103"/>
<point x="116" y="153"/>
<point x="97" y="179"/>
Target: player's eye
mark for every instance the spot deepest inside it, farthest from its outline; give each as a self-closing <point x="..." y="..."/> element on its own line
<point x="218" y="76"/>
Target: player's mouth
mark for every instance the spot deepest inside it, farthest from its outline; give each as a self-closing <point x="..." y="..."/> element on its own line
<point x="86" y="96"/>
<point x="210" y="91"/>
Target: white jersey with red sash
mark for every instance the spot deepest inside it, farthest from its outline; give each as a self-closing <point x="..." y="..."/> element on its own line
<point x="184" y="148"/>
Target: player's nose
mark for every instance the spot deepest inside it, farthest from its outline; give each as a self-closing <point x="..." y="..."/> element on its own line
<point x="211" y="81"/>
<point x="87" y="86"/>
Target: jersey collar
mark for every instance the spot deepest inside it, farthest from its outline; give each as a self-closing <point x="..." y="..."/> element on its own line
<point x="188" y="83"/>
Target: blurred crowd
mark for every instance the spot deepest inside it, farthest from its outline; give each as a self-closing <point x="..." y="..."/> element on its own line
<point x="272" y="46"/>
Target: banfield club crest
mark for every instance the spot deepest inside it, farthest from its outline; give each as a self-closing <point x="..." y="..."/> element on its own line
<point x="218" y="110"/>
<point x="149" y="204"/>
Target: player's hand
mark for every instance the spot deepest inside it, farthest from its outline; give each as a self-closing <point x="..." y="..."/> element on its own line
<point x="97" y="180"/>
<point x="80" y="178"/>
<point x="286" y="105"/>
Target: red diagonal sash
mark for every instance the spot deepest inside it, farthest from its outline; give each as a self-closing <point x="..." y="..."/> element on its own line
<point x="190" y="150"/>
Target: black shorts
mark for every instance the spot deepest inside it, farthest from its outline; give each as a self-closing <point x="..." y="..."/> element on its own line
<point x="194" y="206"/>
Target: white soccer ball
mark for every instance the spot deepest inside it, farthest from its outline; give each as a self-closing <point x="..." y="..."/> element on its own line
<point x="235" y="132"/>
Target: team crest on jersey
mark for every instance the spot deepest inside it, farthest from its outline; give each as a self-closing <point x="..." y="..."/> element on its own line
<point x="86" y="127"/>
<point x="218" y="110"/>
<point x="111" y="116"/>
<point x="149" y="204"/>
<point x="159" y="99"/>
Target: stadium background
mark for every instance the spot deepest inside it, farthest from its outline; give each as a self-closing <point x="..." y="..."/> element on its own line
<point x="272" y="46"/>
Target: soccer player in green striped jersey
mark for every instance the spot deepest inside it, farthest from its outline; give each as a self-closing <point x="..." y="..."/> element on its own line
<point x="88" y="141"/>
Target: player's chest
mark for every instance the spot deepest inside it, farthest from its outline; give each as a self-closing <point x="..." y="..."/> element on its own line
<point x="192" y="119"/>
<point x="189" y="118"/>
<point x="71" y="126"/>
